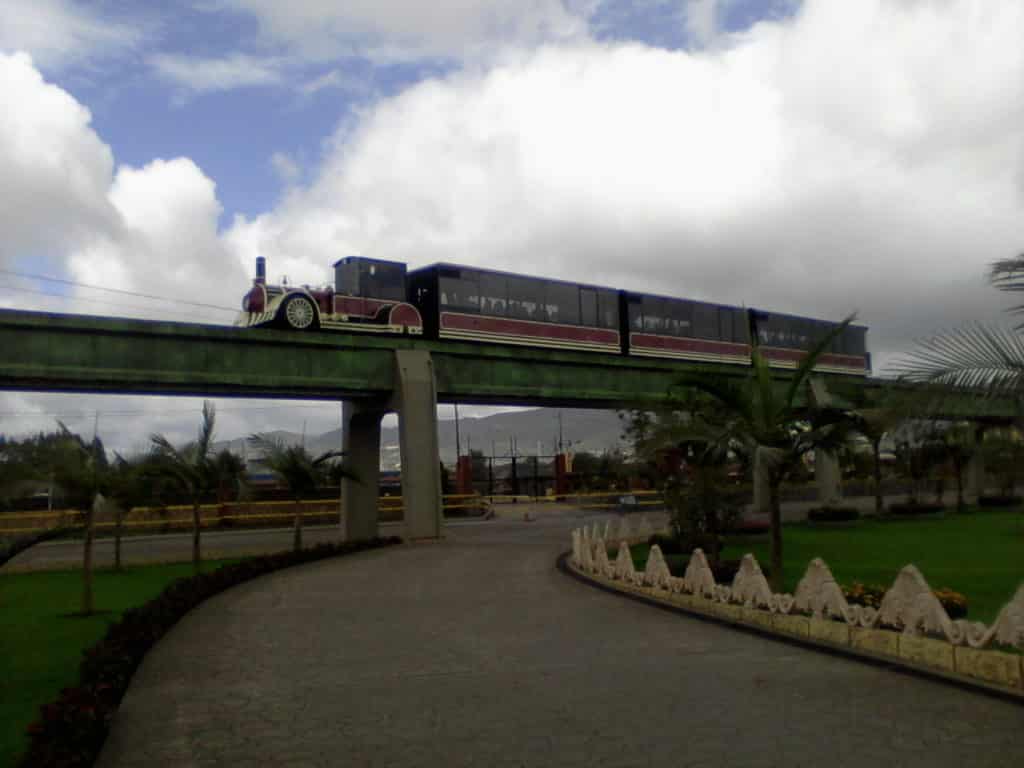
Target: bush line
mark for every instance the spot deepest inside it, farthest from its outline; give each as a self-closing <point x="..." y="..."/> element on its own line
<point x="71" y="730"/>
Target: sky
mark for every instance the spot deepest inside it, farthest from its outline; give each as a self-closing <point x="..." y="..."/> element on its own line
<point x="817" y="157"/>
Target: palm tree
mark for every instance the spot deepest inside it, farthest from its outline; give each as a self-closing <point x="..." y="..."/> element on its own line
<point x="779" y="419"/>
<point x="299" y="470"/>
<point x="985" y="358"/>
<point x="80" y="471"/>
<point x="228" y="471"/>
<point x="130" y="485"/>
<point x="189" y="468"/>
<point x="874" y="419"/>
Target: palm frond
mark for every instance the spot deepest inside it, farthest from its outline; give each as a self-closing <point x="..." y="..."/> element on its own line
<point x="733" y="395"/>
<point x="163" y="446"/>
<point x="206" y="429"/>
<point x="765" y="412"/>
<point x="1008" y="274"/>
<point x="985" y="359"/>
<point x="806" y="366"/>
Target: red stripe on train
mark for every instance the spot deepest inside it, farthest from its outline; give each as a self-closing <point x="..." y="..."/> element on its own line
<point x="795" y="356"/>
<point x="510" y="327"/>
<point x="654" y="343"/>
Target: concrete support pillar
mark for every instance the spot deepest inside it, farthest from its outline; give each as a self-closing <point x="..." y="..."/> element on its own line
<point x="762" y="491"/>
<point x="974" y="473"/>
<point x="415" y="400"/>
<point x="359" y="496"/>
<point x="827" y="478"/>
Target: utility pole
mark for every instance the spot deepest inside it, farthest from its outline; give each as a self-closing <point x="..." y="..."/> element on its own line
<point x="458" y="445"/>
<point x="560" y="431"/>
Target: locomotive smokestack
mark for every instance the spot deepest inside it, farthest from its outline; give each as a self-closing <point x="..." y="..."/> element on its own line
<point x="261" y="269"/>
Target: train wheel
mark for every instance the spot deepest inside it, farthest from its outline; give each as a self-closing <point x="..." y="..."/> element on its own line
<point x="299" y="313"/>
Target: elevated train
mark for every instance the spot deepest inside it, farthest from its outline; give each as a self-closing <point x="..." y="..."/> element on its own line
<point x="448" y="301"/>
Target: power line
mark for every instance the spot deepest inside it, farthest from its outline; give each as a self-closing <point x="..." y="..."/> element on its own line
<point x="95" y="301"/>
<point x="77" y="284"/>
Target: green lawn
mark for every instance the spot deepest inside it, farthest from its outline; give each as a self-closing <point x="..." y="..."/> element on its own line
<point x="41" y="644"/>
<point x="980" y="555"/>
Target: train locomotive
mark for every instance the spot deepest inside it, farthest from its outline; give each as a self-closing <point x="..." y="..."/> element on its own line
<point x="450" y="301"/>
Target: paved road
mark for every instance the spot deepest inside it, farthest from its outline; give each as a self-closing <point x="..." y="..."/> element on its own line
<point x="177" y="547"/>
<point x="476" y="651"/>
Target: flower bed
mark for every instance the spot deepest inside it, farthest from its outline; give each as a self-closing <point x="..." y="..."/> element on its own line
<point x="71" y="730"/>
<point x="870" y="595"/>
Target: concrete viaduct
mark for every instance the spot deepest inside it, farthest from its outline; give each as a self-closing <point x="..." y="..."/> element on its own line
<point x="372" y="375"/>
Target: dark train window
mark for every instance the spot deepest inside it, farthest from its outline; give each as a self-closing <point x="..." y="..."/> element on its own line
<point x="563" y="303"/>
<point x="653" y="320"/>
<point x="608" y="309"/>
<point x="732" y="321"/>
<point x="461" y="293"/>
<point x="493" y="294"/>
<point x="705" y="321"/>
<point x="382" y="281"/>
<point x="346" y="278"/>
<point x="682" y="314"/>
<point x="525" y="299"/>
<point x="588" y="307"/>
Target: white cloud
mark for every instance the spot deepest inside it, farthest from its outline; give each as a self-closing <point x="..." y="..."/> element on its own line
<point x="206" y="75"/>
<point x="54" y="167"/>
<point x="702" y="20"/>
<point x="59" y="33"/>
<point x="64" y="210"/>
<point x="334" y="78"/>
<point x="857" y="156"/>
<point x="406" y="29"/>
<point x="285" y="167"/>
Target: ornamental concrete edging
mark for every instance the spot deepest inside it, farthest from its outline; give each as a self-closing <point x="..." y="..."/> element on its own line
<point x="909" y="631"/>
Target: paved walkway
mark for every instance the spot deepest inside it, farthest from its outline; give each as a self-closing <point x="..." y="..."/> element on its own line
<point x="476" y="651"/>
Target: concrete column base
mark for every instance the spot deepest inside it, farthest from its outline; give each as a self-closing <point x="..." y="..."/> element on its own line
<point x="827" y="478"/>
<point x="974" y="472"/>
<point x="359" y="496"/>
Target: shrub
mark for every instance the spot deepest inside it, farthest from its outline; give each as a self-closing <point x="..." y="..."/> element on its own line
<point x="669" y="545"/>
<point x="872" y="595"/>
<point x="915" y="509"/>
<point x="71" y="730"/>
<point x="954" y="602"/>
<point x="833" y="514"/>
<point x="999" y="501"/>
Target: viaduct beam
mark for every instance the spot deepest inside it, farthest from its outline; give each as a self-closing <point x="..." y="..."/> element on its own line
<point x="70" y="353"/>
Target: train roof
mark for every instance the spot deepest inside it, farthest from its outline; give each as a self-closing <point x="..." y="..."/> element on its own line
<point x="506" y="273"/>
<point x="344" y="259"/>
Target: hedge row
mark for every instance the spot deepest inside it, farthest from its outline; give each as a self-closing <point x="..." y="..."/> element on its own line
<point x="833" y="514"/>
<point x="70" y="731"/>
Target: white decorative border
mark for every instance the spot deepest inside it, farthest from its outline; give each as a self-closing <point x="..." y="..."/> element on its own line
<point x="910" y="627"/>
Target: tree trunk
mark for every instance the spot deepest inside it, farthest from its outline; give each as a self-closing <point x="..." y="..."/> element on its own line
<point x="876" y="449"/>
<point x="118" y="519"/>
<point x="776" y="523"/>
<point x="958" y="467"/>
<point x="297" y="539"/>
<point x="195" y="536"/>
<point x="87" y="602"/>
